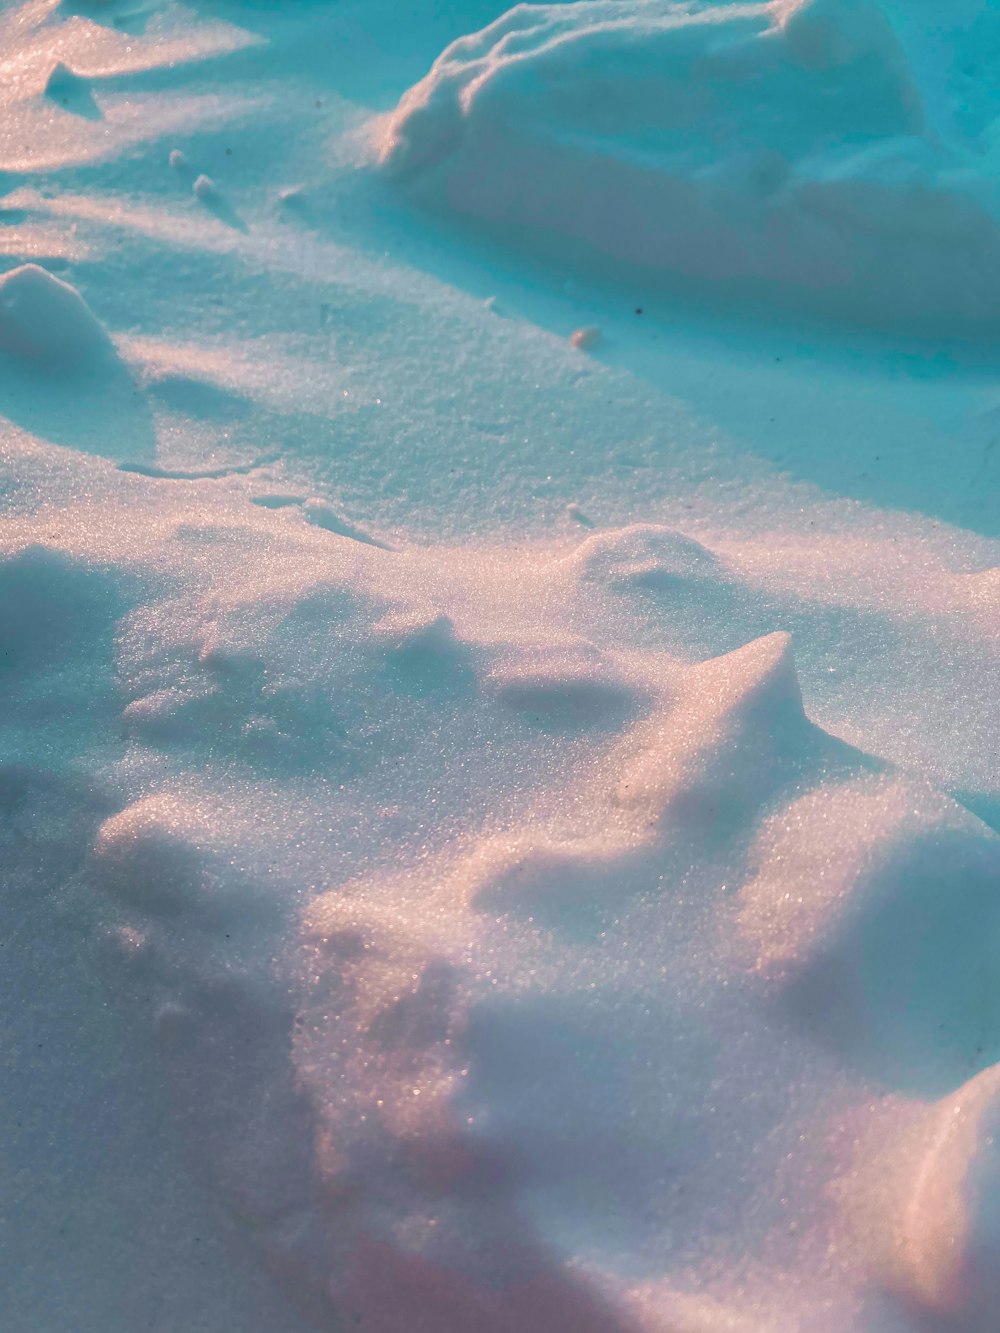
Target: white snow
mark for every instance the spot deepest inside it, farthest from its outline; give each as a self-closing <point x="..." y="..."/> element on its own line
<point x="45" y="320"/>
<point x="951" y="1237"/>
<point x="497" y="839"/>
<point x="660" y="135"/>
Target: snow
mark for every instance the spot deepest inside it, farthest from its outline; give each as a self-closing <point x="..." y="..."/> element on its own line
<point x="46" y="320"/>
<point x="952" y="1232"/>
<point x="584" y="338"/>
<point x="499" y="818"/>
<point x="658" y="135"/>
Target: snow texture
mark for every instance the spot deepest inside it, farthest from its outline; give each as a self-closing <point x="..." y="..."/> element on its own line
<point x="499" y="821"/>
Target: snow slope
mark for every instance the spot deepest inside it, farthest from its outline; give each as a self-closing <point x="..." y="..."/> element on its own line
<point x="498" y="834"/>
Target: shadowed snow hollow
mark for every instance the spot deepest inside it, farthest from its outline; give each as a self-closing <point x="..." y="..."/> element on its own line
<point x="781" y="154"/>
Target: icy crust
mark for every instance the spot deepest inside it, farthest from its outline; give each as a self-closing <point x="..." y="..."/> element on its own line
<point x="781" y="154"/>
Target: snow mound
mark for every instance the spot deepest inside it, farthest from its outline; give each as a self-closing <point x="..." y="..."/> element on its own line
<point x="461" y="1026"/>
<point x="563" y="687"/>
<point x="778" y="154"/>
<point x="890" y="950"/>
<point x="160" y="856"/>
<point x="45" y="321"/>
<point x="642" y="555"/>
<point x="737" y="727"/>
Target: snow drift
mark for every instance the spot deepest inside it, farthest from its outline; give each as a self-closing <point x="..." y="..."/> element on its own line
<point x="499" y="842"/>
<point x="784" y="154"/>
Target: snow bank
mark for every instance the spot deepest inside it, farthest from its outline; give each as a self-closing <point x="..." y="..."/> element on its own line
<point x="492" y="1041"/>
<point x="782" y="154"/>
<point x="496" y="1080"/>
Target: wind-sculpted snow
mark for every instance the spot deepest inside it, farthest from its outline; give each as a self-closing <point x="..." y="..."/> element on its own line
<point x="536" y="1071"/>
<point x="785" y="155"/>
<point x="465" y="1050"/>
<point x="498" y="777"/>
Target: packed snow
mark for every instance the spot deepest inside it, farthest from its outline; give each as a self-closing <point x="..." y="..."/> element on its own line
<point x="500" y="627"/>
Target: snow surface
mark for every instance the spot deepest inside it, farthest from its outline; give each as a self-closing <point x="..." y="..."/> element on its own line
<point x="499" y="763"/>
<point x="660" y="135"/>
